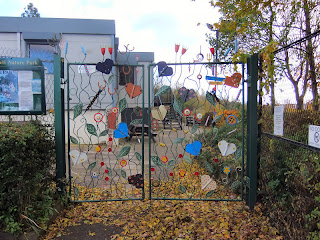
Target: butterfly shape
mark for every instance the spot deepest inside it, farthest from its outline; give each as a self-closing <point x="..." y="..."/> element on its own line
<point x="133" y="90"/>
<point x="234" y="80"/>
<point x="105" y="67"/>
<point x="207" y="183"/>
<point x="159" y="113"/>
<point x="136" y="180"/>
<point x="122" y="131"/>
<point x="164" y="70"/>
<point x="226" y="148"/>
<point x="186" y="94"/>
<point x="77" y="157"/>
<point x="194" y="148"/>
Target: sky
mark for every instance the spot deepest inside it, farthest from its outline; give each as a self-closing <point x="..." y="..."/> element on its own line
<point x="147" y="25"/>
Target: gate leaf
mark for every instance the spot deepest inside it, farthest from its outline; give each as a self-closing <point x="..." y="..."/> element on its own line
<point x="210" y="98"/>
<point x="77" y="110"/>
<point x="162" y="90"/>
<point x="124" y="151"/>
<point x="156" y="160"/>
<point x="182" y="189"/>
<point x="136" y="122"/>
<point x="74" y="140"/>
<point x="91" y="129"/>
<point x="178" y="140"/>
<point x="187" y="159"/>
<point x="109" y="171"/>
<point x="91" y="166"/>
<point x="210" y="193"/>
<point x="178" y="106"/>
<point x="110" y="80"/>
<point x="76" y="191"/>
<point x="138" y="156"/>
<point x="208" y="166"/>
<point x="170" y="164"/>
<point x="122" y="104"/>
<point x="104" y="133"/>
<point x="238" y="154"/>
<point x="217" y="118"/>
<point x="123" y="174"/>
<point x="194" y="129"/>
<point x="234" y="186"/>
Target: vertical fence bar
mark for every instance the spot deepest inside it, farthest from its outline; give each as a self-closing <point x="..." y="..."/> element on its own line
<point x="59" y="125"/>
<point x="252" y="130"/>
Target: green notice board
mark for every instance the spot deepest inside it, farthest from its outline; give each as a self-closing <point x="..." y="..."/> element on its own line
<point x="22" y="89"/>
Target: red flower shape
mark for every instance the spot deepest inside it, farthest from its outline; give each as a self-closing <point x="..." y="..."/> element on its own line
<point x="212" y="50"/>
<point x="103" y="50"/>
<point x="110" y="139"/>
<point x="183" y="51"/>
<point x="180" y="155"/>
<point x="216" y="160"/>
<point x="110" y="49"/>
<point x="176" y="48"/>
<point x="171" y="174"/>
<point x="106" y="171"/>
<point x="196" y="173"/>
<point x="152" y="169"/>
<point x="109" y="150"/>
<point x="102" y="164"/>
<point x="107" y="179"/>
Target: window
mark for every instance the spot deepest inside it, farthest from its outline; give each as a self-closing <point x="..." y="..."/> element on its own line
<point x="126" y="74"/>
<point x="45" y="53"/>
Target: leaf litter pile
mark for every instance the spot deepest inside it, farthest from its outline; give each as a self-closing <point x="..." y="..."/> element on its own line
<point x="158" y="219"/>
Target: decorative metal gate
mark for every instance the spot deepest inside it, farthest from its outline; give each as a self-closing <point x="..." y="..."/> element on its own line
<point x="199" y="131"/>
<point x="192" y="113"/>
<point x="104" y="111"/>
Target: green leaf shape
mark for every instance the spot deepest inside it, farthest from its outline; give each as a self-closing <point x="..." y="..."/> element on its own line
<point x="178" y="140"/>
<point x="104" y="133"/>
<point x="187" y="159"/>
<point x="74" y="140"/>
<point x="182" y="189"/>
<point x="235" y="185"/>
<point x="123" y="174"/>
<point x="110" y="79"/>
<point x="122" y="104"/>
<point x="136" y="122"/>
<point x="91" y="129"/>
<point x="156" y="160"/>
<point x="162" y="90"/>
<point x="217" y="118"/>
<point x="138" y="156"/>
<point x="210" y="193"/>
<point x="208" y="166"/>
<point x="91" y="166"/>
<point x="171" y="163"/>
<point x="238" y="154"/>
<point x="178" y="106"/>
<point x="210" y="98"/>
<point x="109" y="171"/>
<point x="124" y="151"/>
<point x="77" y="110"/>
<point x="194" y="129"/>
<point x="76" y="191"/>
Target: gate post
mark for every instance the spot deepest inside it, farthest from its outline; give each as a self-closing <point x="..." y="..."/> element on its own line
<point x="252" y="132"/>
<point x="59" y="126"/>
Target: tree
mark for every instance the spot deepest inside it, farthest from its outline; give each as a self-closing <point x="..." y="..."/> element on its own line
<point x="30" y="11"/>
<point x="259" y="24"/>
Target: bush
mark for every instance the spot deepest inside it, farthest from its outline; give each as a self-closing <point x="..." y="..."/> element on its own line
<point x="26" y="174"/>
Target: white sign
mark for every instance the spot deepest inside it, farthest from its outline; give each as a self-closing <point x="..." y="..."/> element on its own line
<point x="314" y="136"/>
<point x="278" y="120"/>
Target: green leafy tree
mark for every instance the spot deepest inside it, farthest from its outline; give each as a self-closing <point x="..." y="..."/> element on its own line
<point x="30" y="11"/>
<point x="262" y="25"/>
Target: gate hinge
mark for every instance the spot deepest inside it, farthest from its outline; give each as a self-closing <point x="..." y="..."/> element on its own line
<point x="247" y="182"/>
<point x="249" y="81"/>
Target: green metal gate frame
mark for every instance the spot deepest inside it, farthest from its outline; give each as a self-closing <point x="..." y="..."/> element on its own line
<point x="150" y="67"/>
<point x="251" y="174"/>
